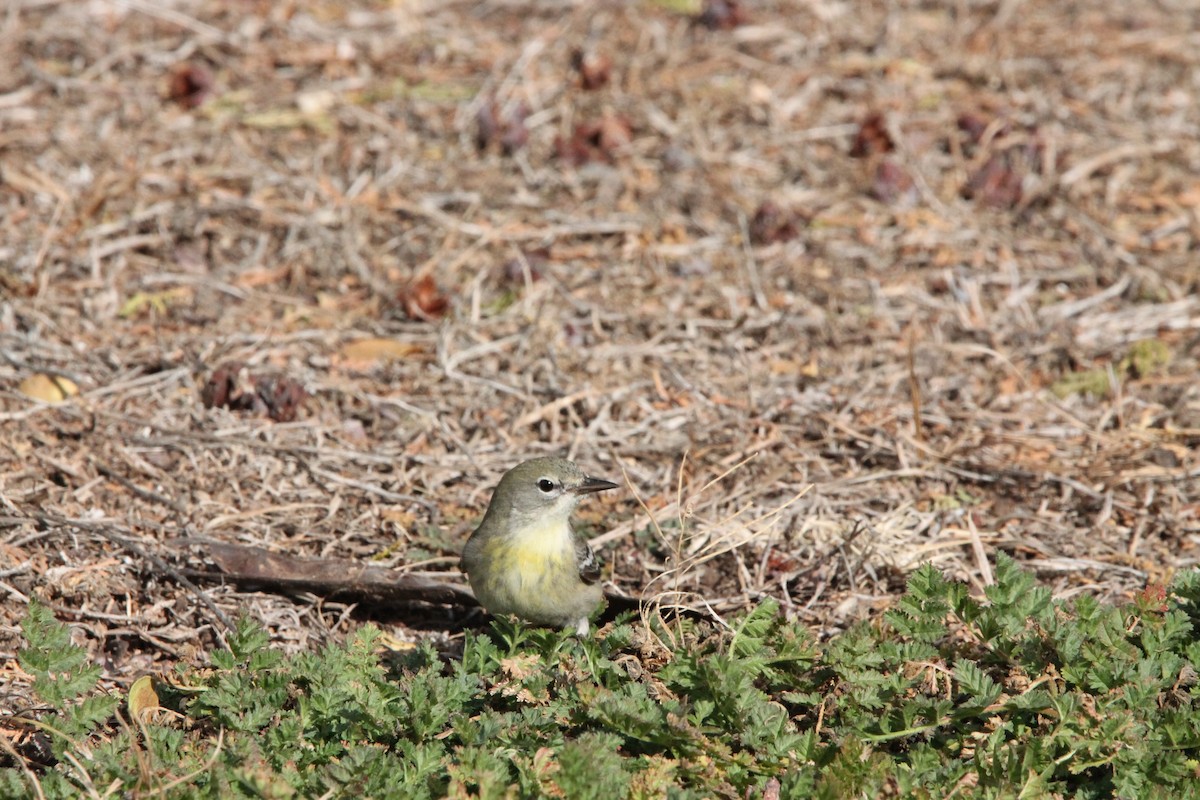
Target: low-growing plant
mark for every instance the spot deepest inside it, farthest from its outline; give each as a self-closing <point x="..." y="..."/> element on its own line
<point x="1008" y="695"/>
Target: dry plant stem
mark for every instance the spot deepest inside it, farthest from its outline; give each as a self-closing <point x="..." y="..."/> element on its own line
<point x="914" y="386"/>
<point x="686" y="558"/>
<point x="124" y="539"/>
<point x="981" y="559"/>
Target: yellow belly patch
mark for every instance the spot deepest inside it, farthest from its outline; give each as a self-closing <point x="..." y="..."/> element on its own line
<point x="534" y="575"/>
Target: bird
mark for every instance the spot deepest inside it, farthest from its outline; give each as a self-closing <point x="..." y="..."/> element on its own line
<point x="525" y="559"/>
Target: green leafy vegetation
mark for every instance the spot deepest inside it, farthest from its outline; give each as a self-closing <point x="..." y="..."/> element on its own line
<point x="1010" y="695"/>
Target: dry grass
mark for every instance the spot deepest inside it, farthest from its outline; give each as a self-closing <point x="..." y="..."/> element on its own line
<point x="806" y="408"/>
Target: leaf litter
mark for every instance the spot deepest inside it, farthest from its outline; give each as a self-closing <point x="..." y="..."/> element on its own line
<point x="837" y="292"/>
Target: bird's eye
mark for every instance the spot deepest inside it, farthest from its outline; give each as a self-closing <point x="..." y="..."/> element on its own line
<point x="546" y="485"/>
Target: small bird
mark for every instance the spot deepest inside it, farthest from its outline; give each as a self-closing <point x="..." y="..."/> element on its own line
<point x="525" y="559"/>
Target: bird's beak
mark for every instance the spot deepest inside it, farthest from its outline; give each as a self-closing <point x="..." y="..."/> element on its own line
<point x="590" y="485"/>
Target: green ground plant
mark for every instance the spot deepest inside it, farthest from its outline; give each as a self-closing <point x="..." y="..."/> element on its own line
<point x="946" y="695"/>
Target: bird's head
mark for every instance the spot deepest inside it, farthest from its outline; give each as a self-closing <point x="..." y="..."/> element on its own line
<point x="543" y="490"/>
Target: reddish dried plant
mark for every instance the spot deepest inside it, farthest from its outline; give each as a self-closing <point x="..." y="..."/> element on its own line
<point x="232" y="386"/>
<point x="190" y="85"/>
<point x="722" y="15"/>
<point x="772" y="224"/>
<point x="892" y="184"/>
<point x="872" y="137"/>
<point x="505" y="128"/>
<point x="596" y="140"/>
<point x="1001" y="180"/>
<point x="421" y="299"/>
<point x="531" y="263"/>
<point x="594" y="68"/>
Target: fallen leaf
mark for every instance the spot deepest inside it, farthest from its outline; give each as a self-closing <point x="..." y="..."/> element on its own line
<point x="505" y="127"/>
<point x="190" y="85"/>
<point x="281" y="396"/>
<point x="996" y="184"/>
<point x="372" y="350"/>
<point x="596" y="140"/>
<point x="1009" y="385"/>
<point x="393" y="644"/>
<point x="722" y="15"/>
<point x="255" y="278"/>
<point x="1000" y="181"/>
<point x="872" y="137"/>
<point x="595" y="69"/>
<point x="772" y="223"/>
<point x="354" y="430"/>
<point x="222" y="387"/>
<point x="399" y="517"/>
<point x="487" y="124"/>
<point x="972" y="125"/>
<point x="142" y="697"/>
<point x="421" y="299"/>
<point x="230" y="386"/>
<point x="892" y="184"/>
<point x="48" y="388"/>
<point x="34" y="746"/>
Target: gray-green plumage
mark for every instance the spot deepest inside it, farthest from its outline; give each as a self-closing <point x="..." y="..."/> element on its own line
<point x="524" y="558"/>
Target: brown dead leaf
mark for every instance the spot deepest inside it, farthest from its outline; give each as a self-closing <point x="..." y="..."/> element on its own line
<point x="274" y="396"/>
<point x="12" y="286"/>
<point x="972" y="125"/>
<point x="32" y="745"/>
<point x="401" y="518"/>
<point x="892" y="184"/>
<point x="772" y="223"/>
<point x="223" y="385"/>
<point x="421" y="299"/>
<point x="520" y="667"/>
<point x="254" y="278"/>
<point x="281" y="397"/>
<point x="997" y="183"/>
<point x="594" y="68"/>
<point x="596" y="140"/>
<point x="505" y="127"/>
<point x="722" y="15"/>
<point x="1000" y="181"/>
<point x="369" y="351"/>
<point x="872" y="137"/>
<point x="190" y="85"/>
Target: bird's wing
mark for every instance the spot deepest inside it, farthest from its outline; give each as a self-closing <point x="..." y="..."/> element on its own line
<point x="585" y="557"/>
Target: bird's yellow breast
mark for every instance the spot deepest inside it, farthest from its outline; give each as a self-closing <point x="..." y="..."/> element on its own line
<point x="533" y="573"/>
<point x="538" y="547"/>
